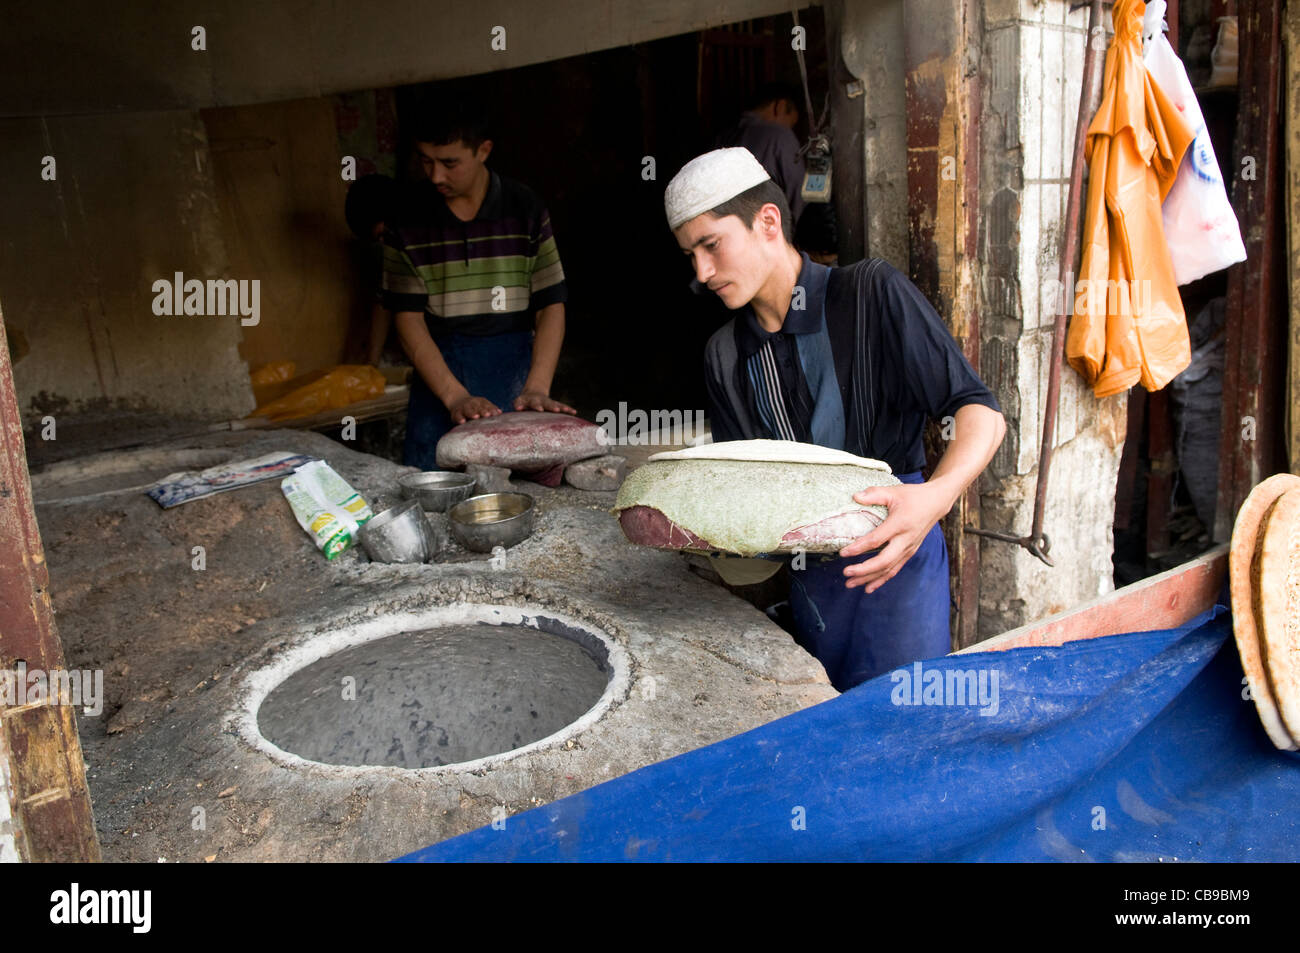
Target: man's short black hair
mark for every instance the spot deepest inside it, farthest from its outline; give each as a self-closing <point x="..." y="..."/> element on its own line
<point x="371" y="199"/>
<point x="456" y="120"/>
<point x="772" y="92"/>
<point x="748" y="203"/>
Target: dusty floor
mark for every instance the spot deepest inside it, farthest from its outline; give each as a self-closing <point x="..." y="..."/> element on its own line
<point x="170" y="775"/>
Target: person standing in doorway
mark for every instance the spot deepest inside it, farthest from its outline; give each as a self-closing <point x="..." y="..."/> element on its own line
<point x="474" y="278"/>
<point x="371" y="201"/>
<point x="766" y="129"/>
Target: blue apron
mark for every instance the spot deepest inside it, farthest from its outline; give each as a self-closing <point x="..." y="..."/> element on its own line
<point x="494" y="366"/>
<point x="858" y="635"/>
<point x="854" y="635"/>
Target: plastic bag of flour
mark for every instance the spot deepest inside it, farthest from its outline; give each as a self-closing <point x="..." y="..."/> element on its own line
<point x="326" y="506"/>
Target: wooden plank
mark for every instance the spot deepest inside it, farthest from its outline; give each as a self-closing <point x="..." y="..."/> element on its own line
<point x="1160" y="602"/>
<point x="46" y="777"/>
<point x="50" y="798"/>
<point x="392" y="402"/>
<point x="966" y="300"/>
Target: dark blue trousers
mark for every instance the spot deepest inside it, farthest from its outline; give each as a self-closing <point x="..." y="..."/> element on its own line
<point x="857" y="636"/>
<point x="492" y="366"/>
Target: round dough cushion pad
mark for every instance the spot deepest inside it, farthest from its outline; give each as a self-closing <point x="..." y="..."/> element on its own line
<point x="1277" y="607"/>
<point x="1242" y="567"/>
<point x="751" y="497"/>
<point x="524" y="440"/>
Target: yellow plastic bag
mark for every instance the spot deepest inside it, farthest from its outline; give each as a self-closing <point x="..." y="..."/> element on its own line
<point x="342" y="385"/>
<point x="273" y="373"/>
<point x="272" y="381"/>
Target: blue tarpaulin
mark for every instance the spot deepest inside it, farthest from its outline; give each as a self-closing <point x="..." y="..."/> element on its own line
<point x="1124" y="748"/>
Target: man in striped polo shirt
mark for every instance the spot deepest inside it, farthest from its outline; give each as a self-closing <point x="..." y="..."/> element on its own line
<point x="472" y="272"/>
<point x="852" y="358"/>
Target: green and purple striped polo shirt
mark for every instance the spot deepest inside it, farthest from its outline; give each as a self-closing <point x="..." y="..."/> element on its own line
<point x="489" y="275"/>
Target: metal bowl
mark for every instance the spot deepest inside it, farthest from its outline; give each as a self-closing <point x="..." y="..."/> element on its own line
<point x="438" y="489"/>
<point x="397" y="535"/>
<point x="493" y="519"/>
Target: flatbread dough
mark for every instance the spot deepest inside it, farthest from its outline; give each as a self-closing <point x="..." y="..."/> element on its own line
<point x="1247" y="532"/>
<point x="1278" y="607"/>
<point x="772" y="451"/>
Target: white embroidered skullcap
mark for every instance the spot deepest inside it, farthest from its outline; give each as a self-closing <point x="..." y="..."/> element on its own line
<point x="709" y="180"/>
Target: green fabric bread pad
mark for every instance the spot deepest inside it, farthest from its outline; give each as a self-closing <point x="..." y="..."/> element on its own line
<point x="746" y="507"/>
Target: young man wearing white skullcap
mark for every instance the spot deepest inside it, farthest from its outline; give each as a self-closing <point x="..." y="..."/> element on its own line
<point x="857" y="361"/>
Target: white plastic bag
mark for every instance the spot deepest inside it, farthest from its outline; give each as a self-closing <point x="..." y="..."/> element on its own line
<point x="1200" y="226"/>
<point x="326" y="506"/>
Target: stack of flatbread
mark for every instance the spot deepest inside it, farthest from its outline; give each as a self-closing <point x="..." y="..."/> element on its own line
<point x="1264" y="573"/>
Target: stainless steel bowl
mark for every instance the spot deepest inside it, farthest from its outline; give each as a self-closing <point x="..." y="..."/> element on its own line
<point x="397" y="535"/>
<point x="435" y="535"/>
<point x="437" y="490"/>
<point x="493" y="519"/>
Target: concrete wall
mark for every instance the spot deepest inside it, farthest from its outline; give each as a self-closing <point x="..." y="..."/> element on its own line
<point x="84" y="56"/>
<point x="140" y="195"/>
<point x="280" y="195"/>
<point x="1031" y="68"/>
<point x="131" y="202"/>
<point x="872" y="50"/>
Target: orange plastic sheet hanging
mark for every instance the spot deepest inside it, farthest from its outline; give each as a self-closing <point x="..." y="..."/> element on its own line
<point x="340" y="386"/>
<point x="1128" y="325"/>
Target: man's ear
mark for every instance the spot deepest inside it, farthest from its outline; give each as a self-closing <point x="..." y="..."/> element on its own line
<point x="769" y="218"/>
<point x="484" y="150"/>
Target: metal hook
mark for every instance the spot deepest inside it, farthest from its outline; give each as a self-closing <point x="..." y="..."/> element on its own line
<point x="1038" y="546"/>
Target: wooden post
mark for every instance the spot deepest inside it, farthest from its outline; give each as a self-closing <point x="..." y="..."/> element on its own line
<point x="1292" y="34"/>
<point x="45" y="777"/>
<point x="943" y="103"/>
<point x="1250" y="441"/>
